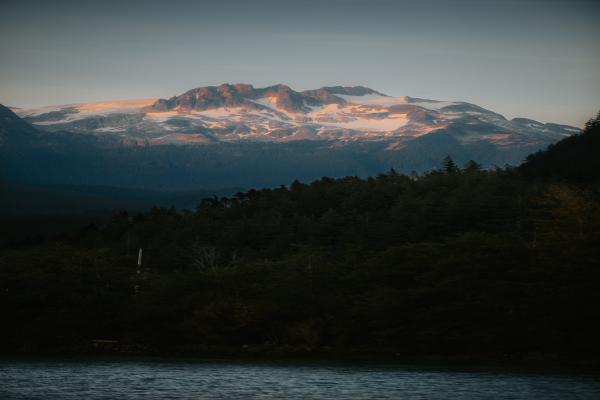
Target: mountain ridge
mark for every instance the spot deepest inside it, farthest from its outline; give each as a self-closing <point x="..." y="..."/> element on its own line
<point x="242" y="94"/>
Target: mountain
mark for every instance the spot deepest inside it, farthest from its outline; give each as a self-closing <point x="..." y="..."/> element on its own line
<point x="224" y="136"/>
<point x="277" y="113"/>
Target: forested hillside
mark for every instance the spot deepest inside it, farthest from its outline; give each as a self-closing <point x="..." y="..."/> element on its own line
<point x="458" y="261"/>
<point x="576" y="158"/>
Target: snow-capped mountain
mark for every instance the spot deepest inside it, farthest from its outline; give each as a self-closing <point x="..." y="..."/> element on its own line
<point x="241" y="112"/>
<point x="240" y="136"/>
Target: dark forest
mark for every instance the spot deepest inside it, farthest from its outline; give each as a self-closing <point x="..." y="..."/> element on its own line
<point x="459" y="261"/>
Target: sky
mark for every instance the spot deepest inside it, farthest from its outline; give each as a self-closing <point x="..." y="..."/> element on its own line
<point x="538" y="59"/>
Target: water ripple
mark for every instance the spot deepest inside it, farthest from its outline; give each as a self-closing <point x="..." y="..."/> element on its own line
<point x="99" y="380"/>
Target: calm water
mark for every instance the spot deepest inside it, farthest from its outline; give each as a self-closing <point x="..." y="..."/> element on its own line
<point x="146" y="380"/>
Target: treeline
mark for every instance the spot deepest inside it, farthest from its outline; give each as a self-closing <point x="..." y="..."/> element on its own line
<point x="458" y="261"/>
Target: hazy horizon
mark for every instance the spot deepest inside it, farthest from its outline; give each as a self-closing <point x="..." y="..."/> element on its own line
<point x="534" y="59"/>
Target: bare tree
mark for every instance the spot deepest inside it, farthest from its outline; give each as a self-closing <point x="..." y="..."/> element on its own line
<point x="205" y="257"/>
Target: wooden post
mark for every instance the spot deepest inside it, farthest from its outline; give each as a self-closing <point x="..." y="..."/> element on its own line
<point x="136" y="287"/>
<point x="139" y="264"/>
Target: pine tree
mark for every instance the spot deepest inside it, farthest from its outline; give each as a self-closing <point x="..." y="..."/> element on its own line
<point x="449" y="166"/>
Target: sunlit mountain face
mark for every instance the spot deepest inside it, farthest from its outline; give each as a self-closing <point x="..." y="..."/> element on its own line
<point x="277" y="113"/>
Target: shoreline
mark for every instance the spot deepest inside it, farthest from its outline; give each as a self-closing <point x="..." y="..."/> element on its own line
<point x="541" y="362"/>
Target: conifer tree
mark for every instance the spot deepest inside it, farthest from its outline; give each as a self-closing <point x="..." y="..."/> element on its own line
<point x="449" y="166"/>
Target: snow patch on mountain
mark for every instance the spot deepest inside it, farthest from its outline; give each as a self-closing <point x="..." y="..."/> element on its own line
<point x="434" y="105"/>
<point x="387" y="101"/>
<point x="118" y="106"/>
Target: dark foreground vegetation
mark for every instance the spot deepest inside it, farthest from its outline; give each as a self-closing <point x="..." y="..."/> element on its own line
<point x="456" y="262"/>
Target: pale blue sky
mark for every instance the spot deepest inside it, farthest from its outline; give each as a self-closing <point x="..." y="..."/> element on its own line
<point x="530" y="58"/>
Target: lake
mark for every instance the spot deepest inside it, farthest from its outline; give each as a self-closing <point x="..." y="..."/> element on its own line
<point x="157" y="379"/>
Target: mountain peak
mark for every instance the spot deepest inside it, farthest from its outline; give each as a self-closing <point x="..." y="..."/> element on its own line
<point x="280" y="87"/>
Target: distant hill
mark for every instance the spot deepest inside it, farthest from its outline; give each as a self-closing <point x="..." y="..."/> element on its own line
<point x="38" y="211"/>
<point x="18" y="200"/>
